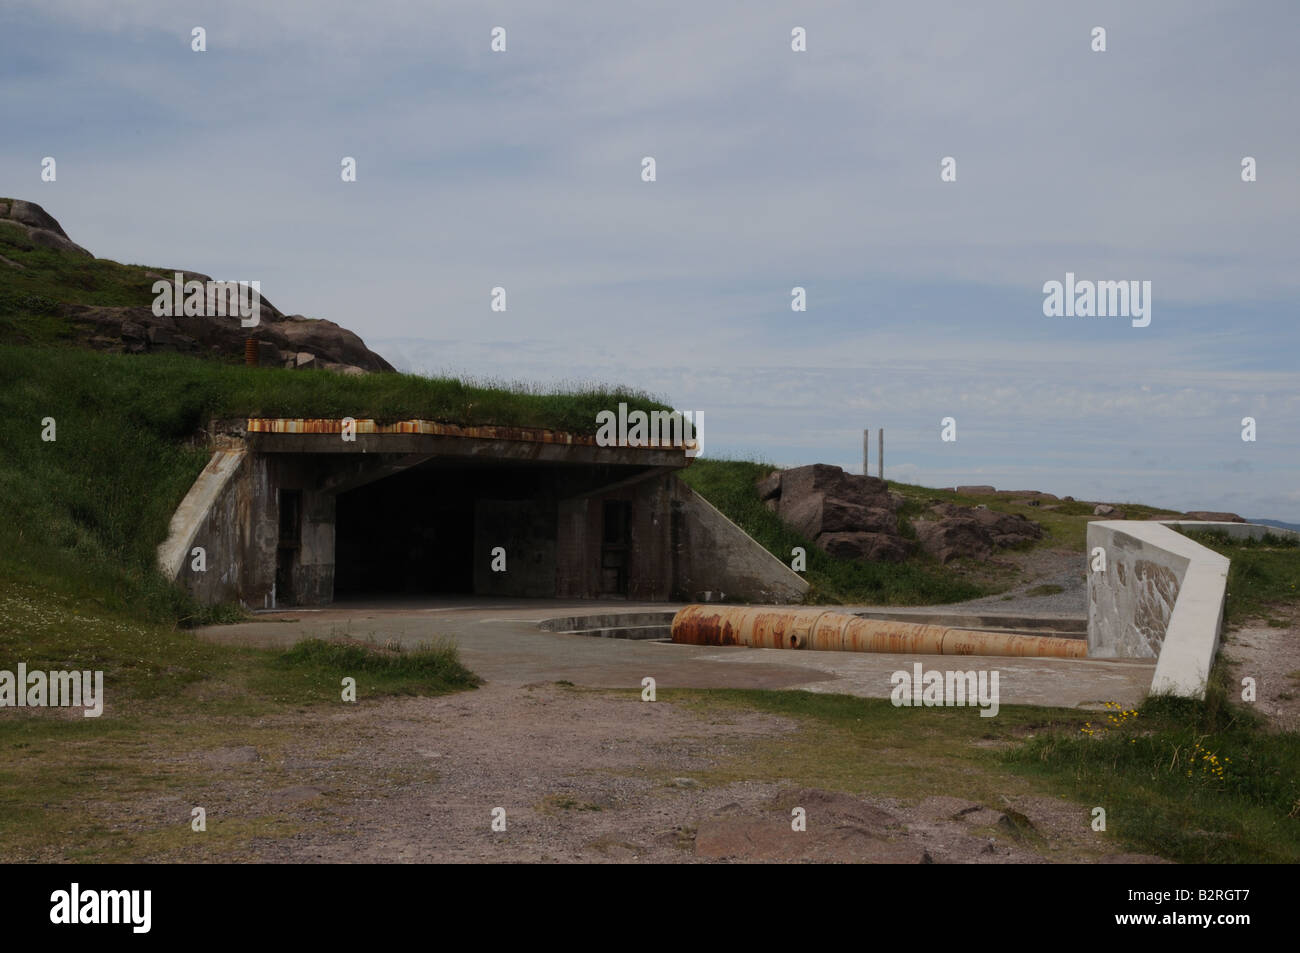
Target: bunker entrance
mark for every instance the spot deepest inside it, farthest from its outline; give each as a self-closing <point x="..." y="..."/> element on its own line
<point x="412" y="533"/>
<point x="457" y="527"/>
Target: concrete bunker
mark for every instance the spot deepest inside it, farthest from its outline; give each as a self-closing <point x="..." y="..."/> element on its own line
<point x="304" y="512"/>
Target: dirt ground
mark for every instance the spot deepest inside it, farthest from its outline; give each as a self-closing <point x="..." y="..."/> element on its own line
<point x="1271" y="656"/>
<point x="582" y="776"/>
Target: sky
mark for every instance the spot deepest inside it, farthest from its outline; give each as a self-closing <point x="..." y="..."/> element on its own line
<point x="775" y="169"/>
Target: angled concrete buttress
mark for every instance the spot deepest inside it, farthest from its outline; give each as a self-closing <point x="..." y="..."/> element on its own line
<point x="195" y="510"/>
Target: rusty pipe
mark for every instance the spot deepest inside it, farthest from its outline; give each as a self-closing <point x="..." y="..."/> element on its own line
<point x="771" y="627"/>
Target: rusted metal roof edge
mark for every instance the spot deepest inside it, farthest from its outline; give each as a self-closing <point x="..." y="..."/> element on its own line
<point x="365" y="425"/>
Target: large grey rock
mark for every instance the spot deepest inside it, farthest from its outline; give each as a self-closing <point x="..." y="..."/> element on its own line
<point x="32" y="215"/>
<point x="849" y="515"/>
<point x="874" y="547"/>
<point x="1003" y="529"/>
<point x="816" y="514"/>
<point x="835" y="484"/>
<point x="953" y="538"/>
<point x="40" y="226"/>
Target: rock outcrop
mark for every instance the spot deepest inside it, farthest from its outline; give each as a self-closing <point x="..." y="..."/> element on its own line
<point x="849" y="516"/>
<point x="1213" y="517"/>
<point x="285" y="340"/>
<point x="856" y="517"/>
<point x="962" y="531"/>
<point x="39" y="226"/>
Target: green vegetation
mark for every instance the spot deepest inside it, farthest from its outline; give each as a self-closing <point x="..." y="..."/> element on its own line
<point x="729" y="485"/>
<point x="313" y="668"/>
<point x="40" y="279"/>
<point x="1197" y="782"/>
<point x="1264" y="573"/>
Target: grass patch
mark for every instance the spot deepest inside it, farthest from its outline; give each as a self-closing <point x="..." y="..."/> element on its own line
<point x="313" y="670"/>
<point x="554" y="803"/>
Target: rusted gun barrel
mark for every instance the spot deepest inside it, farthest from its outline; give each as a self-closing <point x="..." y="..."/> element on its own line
<point x="766" y="627"/>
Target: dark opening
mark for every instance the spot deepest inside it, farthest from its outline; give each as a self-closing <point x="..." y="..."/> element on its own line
<point x="615" y="547"/>
<point x="288" y="545"/>
<point x="432" y="530"/>
<point x="409" y="533"/>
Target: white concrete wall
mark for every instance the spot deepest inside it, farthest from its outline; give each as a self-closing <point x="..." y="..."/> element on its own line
<point x="1161" y="595"/>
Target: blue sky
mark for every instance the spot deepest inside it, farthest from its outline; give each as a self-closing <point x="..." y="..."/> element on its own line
<point x="775" y="169"/>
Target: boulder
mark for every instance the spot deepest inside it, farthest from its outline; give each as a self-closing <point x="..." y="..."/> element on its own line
<point x="979" y="490"/>
<point x="953" y="537"/>
<point x="834" y="483"/>
<point x="817" y="514"/>
<point x="849" y="515"/>
<point x="1214" y="517"/>
<point x="875" y="547"/>
<point x="40" y="227"/>
<point x="1108" y="511"/>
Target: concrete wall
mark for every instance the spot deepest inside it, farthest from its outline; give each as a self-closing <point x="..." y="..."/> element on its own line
<point x="580" y="532"/>
<point x="1161" y="595"/>
<point x="212" y="516"/>
<point x="715" y="556"/>
<point x="526" y="530"/>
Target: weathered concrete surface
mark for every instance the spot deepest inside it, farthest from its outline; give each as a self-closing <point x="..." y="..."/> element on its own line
<point x="715" y="555"/>
<point x="1130" y="603"/>
<point x="207" y="516"/>
<point x="502" y="642"/>
<point x="1160" y="596"/>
